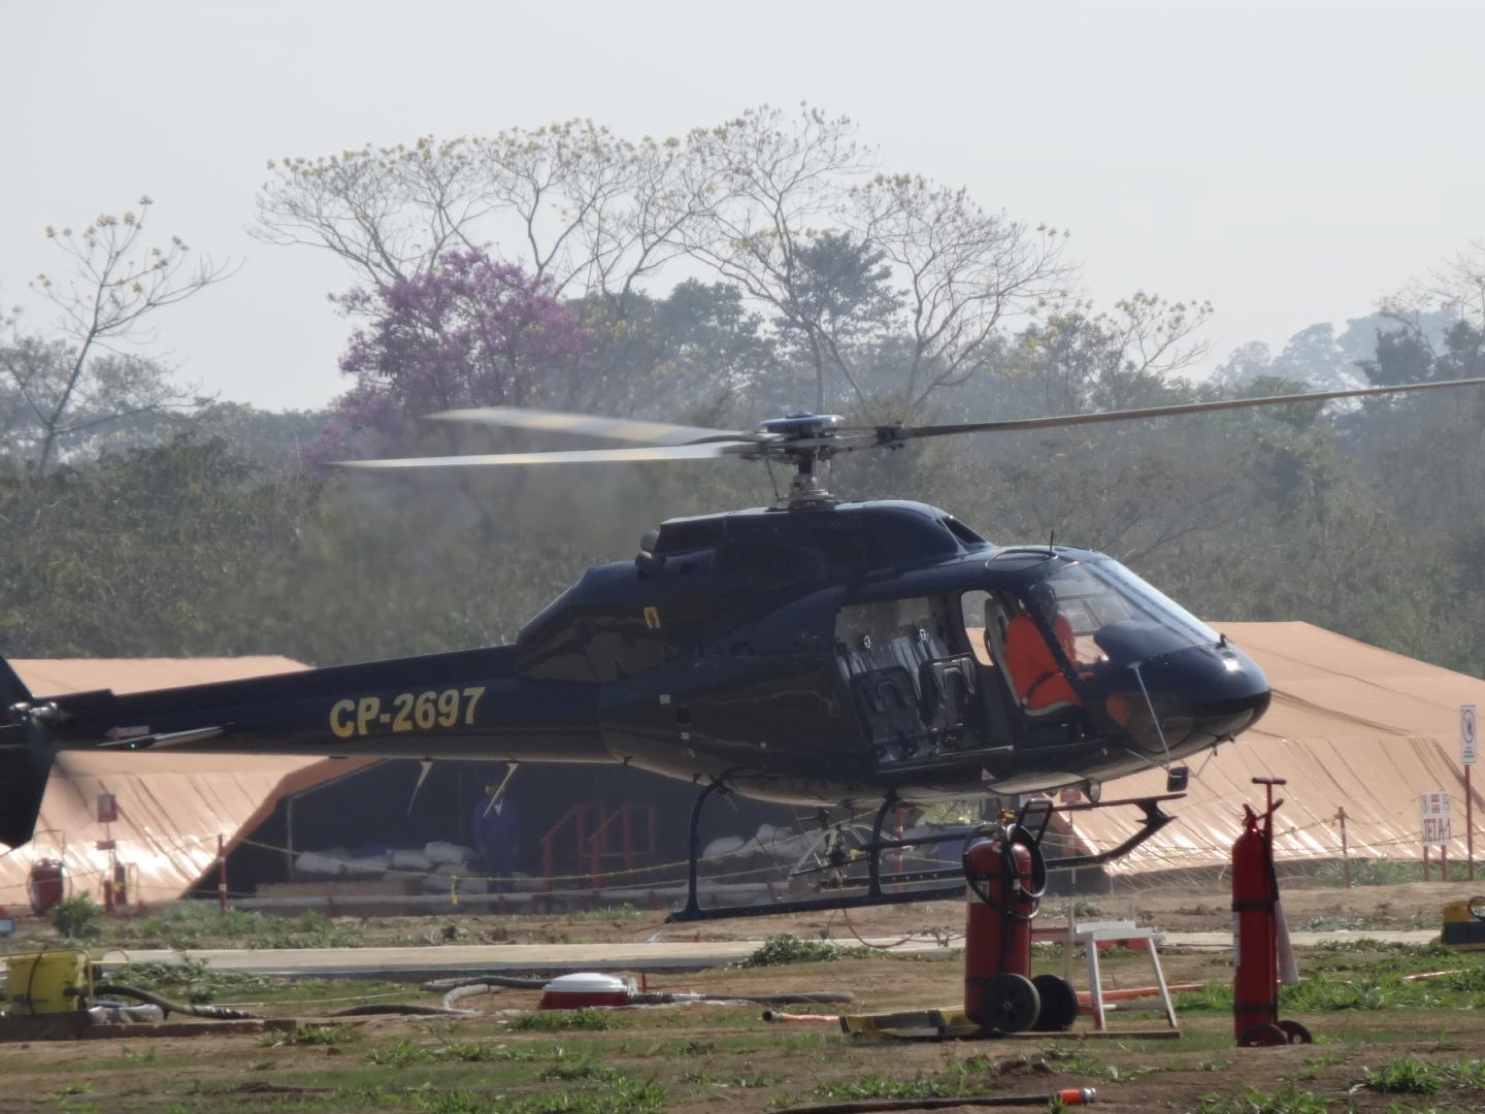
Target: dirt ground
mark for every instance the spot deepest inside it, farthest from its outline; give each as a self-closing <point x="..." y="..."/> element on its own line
<point x="1172" y="907"/>
<point x="709" y="1058"/>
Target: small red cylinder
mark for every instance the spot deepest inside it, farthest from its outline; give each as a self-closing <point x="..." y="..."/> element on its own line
<point x="46" y="884"/>
<point x="1255" y="976"/>
<point x="997" y="935"/>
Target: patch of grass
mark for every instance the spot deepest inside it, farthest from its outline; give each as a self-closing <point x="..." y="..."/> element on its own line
<point x="778" y="951"/>
<point x="1289" y="1099"/>
<point x="545" y="1021"/>
<point x="582" y="1069"/>
<point x="200" y="924"/>
<point x="308" y="1035"/>
<point x="624" y="1097"/>
<point x="1339" y="982"/>
<point x="624" y="912"/>
<point x="78" y="917"/>
<point x="1370" y="872"/>
<point x="1413" y="1075"/>
<point x="747" y="1078"/>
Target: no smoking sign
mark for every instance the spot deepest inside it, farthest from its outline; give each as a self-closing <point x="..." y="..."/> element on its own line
<point x="1469" y="736"/>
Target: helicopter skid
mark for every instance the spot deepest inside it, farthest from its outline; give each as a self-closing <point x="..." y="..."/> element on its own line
<point x="1155" y="818"/>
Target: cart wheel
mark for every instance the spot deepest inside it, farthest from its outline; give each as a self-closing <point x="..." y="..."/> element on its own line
<point x="1011" y="1004"/>
<point x="1059" y="1003"/>
<point x="1264" y="1034"/>
<point x="1296" y="1033"/>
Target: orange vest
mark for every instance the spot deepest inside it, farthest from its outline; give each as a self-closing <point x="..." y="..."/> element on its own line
<point x="1035" y="670"/>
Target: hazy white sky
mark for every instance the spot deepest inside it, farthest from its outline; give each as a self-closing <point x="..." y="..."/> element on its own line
<point x="1289" y="161"/>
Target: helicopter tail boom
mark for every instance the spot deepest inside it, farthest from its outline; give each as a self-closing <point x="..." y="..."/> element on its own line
<point x="470" y="705"/>
<point x="26" y="752"/>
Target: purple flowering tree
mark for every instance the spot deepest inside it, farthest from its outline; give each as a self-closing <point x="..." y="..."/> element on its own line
<point x="468" y="332"/>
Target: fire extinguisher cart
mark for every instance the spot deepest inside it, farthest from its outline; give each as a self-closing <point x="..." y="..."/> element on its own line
<point x="1005" y="875"/>
<point x="1256" y="926"/>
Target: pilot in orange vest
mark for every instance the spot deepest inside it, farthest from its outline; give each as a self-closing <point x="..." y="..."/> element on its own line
<point x="1035" y="670"/>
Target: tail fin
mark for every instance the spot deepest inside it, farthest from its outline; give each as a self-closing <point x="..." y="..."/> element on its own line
<point x="25" y="760"/>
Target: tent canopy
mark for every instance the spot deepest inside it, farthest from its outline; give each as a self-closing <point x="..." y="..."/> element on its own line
<point x="1350" y="726"/>
<point x="171" y="807"/>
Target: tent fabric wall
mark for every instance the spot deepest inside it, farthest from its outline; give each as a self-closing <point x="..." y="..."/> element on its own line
<point x="171" y="806"/>
<point x="1350" y="726"/>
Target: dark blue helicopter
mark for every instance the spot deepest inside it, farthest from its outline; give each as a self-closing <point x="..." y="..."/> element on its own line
<point x="819" y="652"/>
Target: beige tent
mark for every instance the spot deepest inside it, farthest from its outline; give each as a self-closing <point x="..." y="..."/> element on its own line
<point x="171" y="807"/>
<point x="1350" y="726"/>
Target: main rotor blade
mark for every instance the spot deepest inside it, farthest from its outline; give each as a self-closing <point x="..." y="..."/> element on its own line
<point x="890" y="434"/>
<point x="620" y="429"/>
<point x="579" y="456"/>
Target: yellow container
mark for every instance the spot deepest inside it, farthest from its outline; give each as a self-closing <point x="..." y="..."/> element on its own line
<point x="48" y="982"/>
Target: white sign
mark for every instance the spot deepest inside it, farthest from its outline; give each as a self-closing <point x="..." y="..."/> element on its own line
<point x="1433" y="818"/>
<point x="1469" y="737"/>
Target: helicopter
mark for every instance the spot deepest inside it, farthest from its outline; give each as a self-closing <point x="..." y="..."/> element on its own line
<point x="816" y="652"/>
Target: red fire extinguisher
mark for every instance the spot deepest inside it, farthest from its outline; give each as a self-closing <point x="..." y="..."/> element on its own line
<point x="1005" y="876"/>
<point x="1255" y="926"/>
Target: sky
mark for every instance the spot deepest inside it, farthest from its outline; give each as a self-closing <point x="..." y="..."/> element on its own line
<point x="1290" y="162"/>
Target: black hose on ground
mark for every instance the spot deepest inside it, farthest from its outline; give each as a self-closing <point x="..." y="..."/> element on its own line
<point x="512" y="982"/>
<point x="405" y="1008"/>
<point x="802" y="999"/>
<point x="213" y="1013"/>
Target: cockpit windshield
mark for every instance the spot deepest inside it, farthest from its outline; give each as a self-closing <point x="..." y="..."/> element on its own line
<point x="1113" y="613"/>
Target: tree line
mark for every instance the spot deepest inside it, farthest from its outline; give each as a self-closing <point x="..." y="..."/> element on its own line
<point x="531" y="269"/>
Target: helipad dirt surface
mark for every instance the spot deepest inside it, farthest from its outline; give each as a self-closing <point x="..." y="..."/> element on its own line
<point x="1372" y="1026"/>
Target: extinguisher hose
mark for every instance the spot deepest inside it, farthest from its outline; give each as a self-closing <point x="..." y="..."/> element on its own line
<point x="1009" y="835"/>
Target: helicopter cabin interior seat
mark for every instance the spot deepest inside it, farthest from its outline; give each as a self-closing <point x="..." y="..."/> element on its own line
<point x="915" y="693"/>
<point x="998" y="615"/>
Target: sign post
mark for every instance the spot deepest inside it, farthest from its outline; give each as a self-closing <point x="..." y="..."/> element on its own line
<point x="1469" y="754"/>
<point x="1435" y="821"/>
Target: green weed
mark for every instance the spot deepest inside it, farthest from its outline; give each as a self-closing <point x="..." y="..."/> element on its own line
<point x="778" y="951"/>
<point x="1369" y="872"/>
<point x="624" y="1097"/>
<point x="1289" y="1099"/>
<point x="309" y="1035"/>
<point x="77" y="917"/>
<point x="624" y="912"/>
<point x="558" y="1020"/>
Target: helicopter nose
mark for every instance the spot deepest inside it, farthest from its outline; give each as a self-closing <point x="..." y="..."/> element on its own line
<point x="1201" y="695"/>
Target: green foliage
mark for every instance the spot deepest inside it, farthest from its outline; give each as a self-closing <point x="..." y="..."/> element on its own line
<point x="558" y="1020"/>
<point x="1413" y="1075"/>
<point x="308" y="1036"/>
<point x="1370" y="872"/>
<point x="77" y="917"/>
<point x="403" y="1052"/>
<point x="1405" y="1075"/>
<point x="624" y="912"/>
<point x="778" y="951"/>
<point x="1289" y="1099"/>
<point x="192" y="979"/>
<point x="623" y="1096"/>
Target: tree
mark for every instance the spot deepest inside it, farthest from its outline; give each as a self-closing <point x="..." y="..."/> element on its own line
<point x="965" y="271"/>
<point x="1077" y="359"/>
<point x="66" y="387"/>
<point x="469" y="332"/>
<point x="570" y="202"/>
<point x="763" y="183"/>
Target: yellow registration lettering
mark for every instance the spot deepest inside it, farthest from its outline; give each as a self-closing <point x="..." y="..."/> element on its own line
<point x="366" y="712"/>
<point x="471" y="698"/>
<point x="340" y="722"/>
